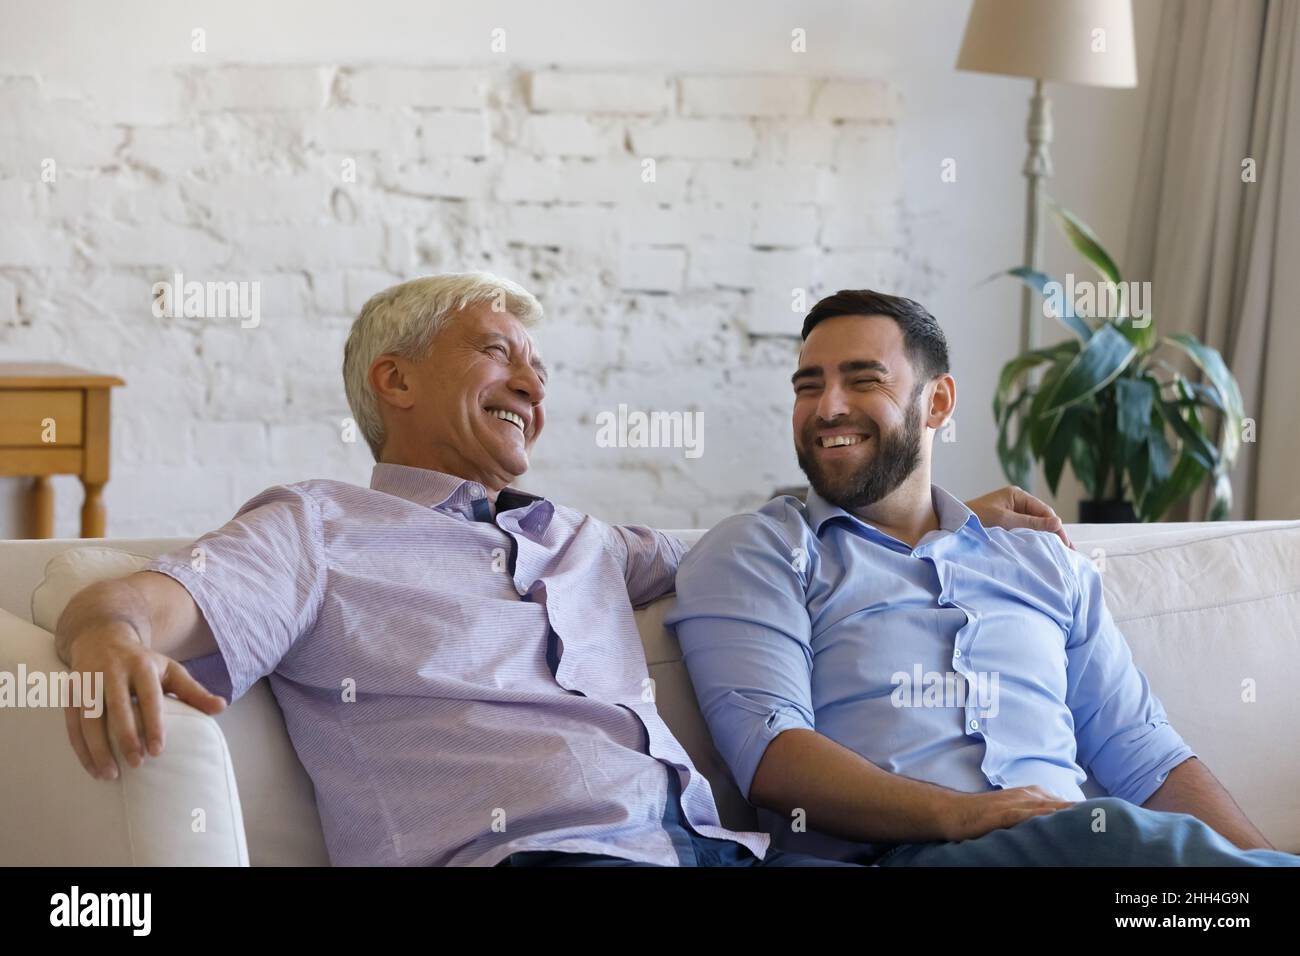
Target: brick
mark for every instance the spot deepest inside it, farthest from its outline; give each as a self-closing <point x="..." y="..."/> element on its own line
<point x="860" y="147"/>
<point x="17" y="200"/>
<point x="328" y="294"/>
<point x="532" y="180"/>
<point x="732" y="266"/>
<point x="445" y="177"/>
<point x="746" y="95"/>
<point x="220" y="443"/>
<point x="861" y="269"/>
<point x="8" y="302"/>
<point x="555" y="91"/>
<point x="563" y="134"/>
<point x="857" y="100"/>
<point x="61" y="131"/>
<point x="858" y="227"/>
<point x="730" y="184"/>
<point x="652" y="270"/>
<point x="77" y="197"/>
<point x="796" y="142"/>
<point x="177" y="247"/>
<point x="684" y="223"/>
<point x="695" y="139"/>
<point x="291" y="247"/>
<point x="450" y="133"/>
<point x="259" y="198"/>
<point x="360" y="284"/>
<point x="139" y="97"/>
<point x="360" y="129"/>
<point x="262" y="88"/>
<point x="785" y="225"/>
<point x="420" y="88"/>
<point x="173" y="151"/>
<point x="308" y="441"/>
<point x="577" y="227"/>
<point x="35" y="246"/>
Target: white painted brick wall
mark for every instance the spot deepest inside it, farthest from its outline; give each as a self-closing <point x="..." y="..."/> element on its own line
<point x="671" y="295"/>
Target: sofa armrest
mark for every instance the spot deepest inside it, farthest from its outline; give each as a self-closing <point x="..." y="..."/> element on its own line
<point x="178" y="809"/>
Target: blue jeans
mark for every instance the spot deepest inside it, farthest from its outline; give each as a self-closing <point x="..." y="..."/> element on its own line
<point x="1122" y="834"/>
<point x="692" y="849"/>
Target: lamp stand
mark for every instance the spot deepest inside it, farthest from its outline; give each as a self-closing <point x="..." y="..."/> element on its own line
<point x="1038" y="166"/>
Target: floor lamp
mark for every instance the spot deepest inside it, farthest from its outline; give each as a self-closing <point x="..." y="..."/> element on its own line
<point x="1088" y="42"/>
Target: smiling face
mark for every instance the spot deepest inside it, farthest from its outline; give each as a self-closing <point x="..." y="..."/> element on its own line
<point x="859" y="410"/>
<point x="473" y="406"/>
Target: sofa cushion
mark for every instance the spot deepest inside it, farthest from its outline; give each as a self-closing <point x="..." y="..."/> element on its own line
<point x="58" y="815"/>
<point x="281" y="821"/>
<point x="1214" y="623"/>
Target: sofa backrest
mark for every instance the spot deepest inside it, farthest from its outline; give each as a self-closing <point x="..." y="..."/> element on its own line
<point x="1208" y="609"/>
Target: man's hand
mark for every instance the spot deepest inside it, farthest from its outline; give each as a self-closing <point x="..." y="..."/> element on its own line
<point x="965" y="816"/>
<point x="1012" y="507"/>
<point x="130" y="670"/>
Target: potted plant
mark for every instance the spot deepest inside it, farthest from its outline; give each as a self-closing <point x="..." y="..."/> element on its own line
<point x="1107" y="401"/>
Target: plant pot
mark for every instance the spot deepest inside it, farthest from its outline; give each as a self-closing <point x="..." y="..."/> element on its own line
<point x="1115" y="511"/>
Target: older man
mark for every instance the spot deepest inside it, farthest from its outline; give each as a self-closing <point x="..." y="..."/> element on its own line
<point x="457" y="661"/>
<point x="802" y="664"/>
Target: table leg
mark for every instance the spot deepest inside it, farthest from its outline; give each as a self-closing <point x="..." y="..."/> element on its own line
<point x="92" y="510"/>
<point x="40" y="507"/>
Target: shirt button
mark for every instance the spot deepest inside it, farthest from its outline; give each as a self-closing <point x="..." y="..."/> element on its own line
<point x="957" y="652"/>
<point x="974" y="725"/>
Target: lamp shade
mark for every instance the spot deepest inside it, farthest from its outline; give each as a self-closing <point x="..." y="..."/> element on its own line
<point x="1089" y="42"/>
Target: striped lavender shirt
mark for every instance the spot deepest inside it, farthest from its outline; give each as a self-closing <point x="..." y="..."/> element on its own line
<point x="501" y="698"/>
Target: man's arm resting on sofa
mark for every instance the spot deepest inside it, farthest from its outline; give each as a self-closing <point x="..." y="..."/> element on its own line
<point x="1191" y="788"/>
<point x="846" y="795"/>
<point x="132" y="630"/>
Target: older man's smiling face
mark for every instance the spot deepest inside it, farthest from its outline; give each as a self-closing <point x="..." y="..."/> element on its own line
<point x="475" y="402"/>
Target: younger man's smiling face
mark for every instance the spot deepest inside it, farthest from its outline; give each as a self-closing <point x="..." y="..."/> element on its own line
<point x="858" y="419"/>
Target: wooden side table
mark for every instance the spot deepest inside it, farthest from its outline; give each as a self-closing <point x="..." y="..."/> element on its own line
<point x="54" y="421"/>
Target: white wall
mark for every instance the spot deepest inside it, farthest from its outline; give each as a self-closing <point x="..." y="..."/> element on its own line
<point x="204" y="461"/>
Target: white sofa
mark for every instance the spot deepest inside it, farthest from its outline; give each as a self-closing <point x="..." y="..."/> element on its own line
<point x="1211" y="611"/>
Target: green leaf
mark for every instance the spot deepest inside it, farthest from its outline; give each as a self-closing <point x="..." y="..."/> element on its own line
<point x="1133" y="400"/>
<point x="1058" y="447"/>
<point x="1022" y="364"/>
<point x="1100" y="361"/>
<point x="1211" y="363"/>
<point x="1186" y="478"/>
<point x="1017" y="463"/>
<point x="1038" y="281"/>
<point x="1083" y="239"/>
<point x="1083" y="459"/>
<point x="1192" y="434"/>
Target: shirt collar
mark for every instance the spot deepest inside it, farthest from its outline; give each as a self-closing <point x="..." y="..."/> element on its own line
<point x="953" y="515"/>
<point x="434" y="489"/>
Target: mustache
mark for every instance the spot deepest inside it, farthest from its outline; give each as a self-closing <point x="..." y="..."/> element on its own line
<point x="812" y="425"/>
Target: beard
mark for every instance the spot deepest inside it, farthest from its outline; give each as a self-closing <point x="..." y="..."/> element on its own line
<point x="898" y="454"/>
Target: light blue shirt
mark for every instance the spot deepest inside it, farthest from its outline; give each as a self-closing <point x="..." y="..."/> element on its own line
<point x="982" y="658"/>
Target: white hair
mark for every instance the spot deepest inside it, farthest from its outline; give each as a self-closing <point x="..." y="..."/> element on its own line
<point x="403" y="320"/>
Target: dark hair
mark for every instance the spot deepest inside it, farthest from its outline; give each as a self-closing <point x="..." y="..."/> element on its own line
<point x="924" y="341"/>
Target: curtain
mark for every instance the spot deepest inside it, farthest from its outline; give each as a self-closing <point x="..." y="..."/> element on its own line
<point x="1223" y="252"/>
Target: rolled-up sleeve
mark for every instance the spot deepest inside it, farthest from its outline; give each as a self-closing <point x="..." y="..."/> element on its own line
<point x="745" y="635"/>
<point x="1123" y="735"/>
<point x="259" y="581"/>
<point x="649" y="559"/>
